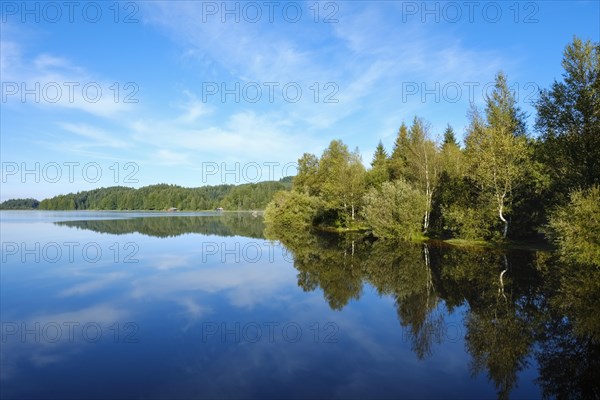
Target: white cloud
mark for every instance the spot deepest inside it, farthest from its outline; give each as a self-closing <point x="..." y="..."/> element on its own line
<point x="97" y="137"/>
<point x="193" y="109"/>
<point x="55" y="81"/>
<point x="244" y="136"/>
<point x="244" y="284"/>
<point x="246" y="50"/>
<point x="368" y="54"/>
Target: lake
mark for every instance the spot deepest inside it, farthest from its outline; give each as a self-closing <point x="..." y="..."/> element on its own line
<point x="212" y="305"/>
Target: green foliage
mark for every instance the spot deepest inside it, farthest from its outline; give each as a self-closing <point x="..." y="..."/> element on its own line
<point x="251" y="196"/>
<point x="19" y="204"/>
<point x="502" y="178"/>
<point x="162" y="197"/>
<point x="292" y="210"/>
<point x="341" y="178"/>
<point x="452" y="160"/>
<point x="287" y="181"/>
<point x="380" y="167"/>
<point x="423" y="164"/>
<point x="497" y="154"/>
<point x="501" y="110"/>
<point x="528" y="208"/>
<point x="337" y="179"/>
<point x="449" y="137"/>
<point x="452" y="186"/>
<point x="568" y="119"/>
<point x="575" y="227"/>
<point x="307" y="178"/>
<point x="466" y="222"/>
<point x="462" y="210"/>
<point x="399" y="152"/>
<point x="395" y="210"/>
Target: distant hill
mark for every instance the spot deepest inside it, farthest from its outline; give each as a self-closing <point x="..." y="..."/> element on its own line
<point x="249" y="196"/>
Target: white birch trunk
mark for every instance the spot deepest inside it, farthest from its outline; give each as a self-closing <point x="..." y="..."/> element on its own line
<point x="501" y="215"/>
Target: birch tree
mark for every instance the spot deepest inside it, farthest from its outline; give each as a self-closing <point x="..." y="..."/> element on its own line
<point x="496" y="148"/>
<point x="356" y="181"/>
<point x="422" y="164"/>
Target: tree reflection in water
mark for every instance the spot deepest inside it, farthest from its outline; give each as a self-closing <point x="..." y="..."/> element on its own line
<point x="522" y="305"/>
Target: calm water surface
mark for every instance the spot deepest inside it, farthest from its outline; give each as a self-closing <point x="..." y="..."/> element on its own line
<point x="203" y="305"/>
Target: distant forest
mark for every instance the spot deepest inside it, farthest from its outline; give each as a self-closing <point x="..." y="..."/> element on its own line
<point x="19" y="204"/>
<point x="251" y="196"/>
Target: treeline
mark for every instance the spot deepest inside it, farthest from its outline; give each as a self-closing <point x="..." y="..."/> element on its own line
<point x="19" y="204"/>
<point x="502" y="183"/>
<point x="162" y="197"/>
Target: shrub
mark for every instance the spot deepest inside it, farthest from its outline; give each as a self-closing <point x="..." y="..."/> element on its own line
<point x="395" y="211"/>
<point x="291" y="210"/>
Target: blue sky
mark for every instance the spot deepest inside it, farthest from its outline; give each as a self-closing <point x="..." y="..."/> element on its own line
<point x="193" y="93"/>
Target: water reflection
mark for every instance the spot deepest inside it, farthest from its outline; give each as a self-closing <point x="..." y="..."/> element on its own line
<point x="505" y="317"/>
<point x="227" y="224"/>
<point x="514" y="299"/>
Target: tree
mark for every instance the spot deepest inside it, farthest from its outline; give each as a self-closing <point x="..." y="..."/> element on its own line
<point x="307" y="180"/>
<point x="398" y="157"/>
<point x="496" y="148"/>
<point x="451" y="188"/>
<point x="341" y="176"/>
<point x="379" y="171"/>
<point x="575" y="227"/>
<point x="356" y="184"/>
<point x="451" y="154"/>
<point x="449" y="137"/>
<point x="422" y="164"/>
<point x="569" y="121"/>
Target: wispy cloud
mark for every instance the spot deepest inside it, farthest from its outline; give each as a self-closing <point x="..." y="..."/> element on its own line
<point x="371" y="56"/>
<point x="244" y="136"/>
<point x="193" y="109"/>
<point x="53" y="81"/>
<point x="97" y="137"/>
